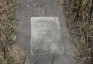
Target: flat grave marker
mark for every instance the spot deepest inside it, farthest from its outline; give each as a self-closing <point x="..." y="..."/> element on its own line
<point x="45" y="35"/>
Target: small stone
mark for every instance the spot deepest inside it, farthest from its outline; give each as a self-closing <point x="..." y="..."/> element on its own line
<point x="14" y="37"/>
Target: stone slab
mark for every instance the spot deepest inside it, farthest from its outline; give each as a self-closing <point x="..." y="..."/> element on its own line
<point x="43" y="8"/>
<point x="45" y="35"/>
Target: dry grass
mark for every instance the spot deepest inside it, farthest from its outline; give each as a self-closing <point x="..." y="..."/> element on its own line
<point x="9" y="52"/>
<point x="7" y="25"/>
<point x="79" y="14"/>
<point x="18" y="54"/>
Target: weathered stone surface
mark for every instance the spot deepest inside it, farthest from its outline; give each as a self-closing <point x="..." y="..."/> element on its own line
<point x="45" y="35"/>
<point x="44" y="8"/>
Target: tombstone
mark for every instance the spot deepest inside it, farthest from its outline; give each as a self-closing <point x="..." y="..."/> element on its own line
<point x="45" y="35"/>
